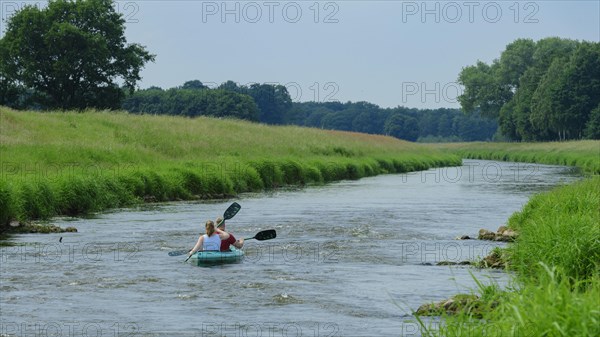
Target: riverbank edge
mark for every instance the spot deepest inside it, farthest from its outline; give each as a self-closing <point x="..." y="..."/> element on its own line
<point x="67" y="163"/>
<point x="554" y="290"/>
<point x="77" y="195"/>
<point x="583" y="154"/>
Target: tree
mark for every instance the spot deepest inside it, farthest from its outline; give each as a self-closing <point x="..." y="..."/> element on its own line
<point x="540" y="90"/>
<point x="484" y="90"/>
<point x="473" y="127"/>
<point x="363" y="122"/>
<point x="367" y="117"/>
<point x="548" y="104"/>
<point x="296" y="115"/>
<point x="224" y="103"/>
<point x="514" y="61"/>
<point x="444" y="125"/>
<point x="340" y="120"/>
<point x="316" y="116"/>
<point x="567" y="93"/>
<point x="273" y="101"/>
<point x="230" y="86"/>
<point x="195" y="84"/>
<point x="428" y="123"/>
<point x="72" y="54"/>
<point x="507" y="123"/>
<point x="402" y="126"/>
<point x="537" y="104"/>
<point x="546" y="50"/>
<point x="10" y="92"/>
<point x="581" y="85"/>
<point x="521" y="105"/>
<point x="592" y="128"/>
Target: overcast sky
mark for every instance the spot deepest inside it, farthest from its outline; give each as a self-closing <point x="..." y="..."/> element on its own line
<point x="386" y="52"/>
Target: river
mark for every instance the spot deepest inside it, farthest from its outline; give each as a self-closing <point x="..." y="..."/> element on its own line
<point x="352" y="258"/>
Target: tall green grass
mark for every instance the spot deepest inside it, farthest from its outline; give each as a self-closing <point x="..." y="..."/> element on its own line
<point x="584" y="154"/>
<point x="552" y="306"/>
<point x="561" y="229"/>
<point x="66" y="163"/>
<point x="556" y="291"/>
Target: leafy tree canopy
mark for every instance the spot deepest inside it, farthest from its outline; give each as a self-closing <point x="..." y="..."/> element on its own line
<point x="72" y="54"/>
<point x="544" y="90"/>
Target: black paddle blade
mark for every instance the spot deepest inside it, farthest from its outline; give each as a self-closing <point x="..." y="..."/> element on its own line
<point x="266" y="235"/>
<point x="231" y="211"/>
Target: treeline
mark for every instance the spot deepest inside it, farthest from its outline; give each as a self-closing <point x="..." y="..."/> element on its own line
<point x="437" y="125"/>
<point x="538" y="91"/>
<point x="257" y="102"/>
<point x="192" y="103"/>
<point x="272" y="104"/>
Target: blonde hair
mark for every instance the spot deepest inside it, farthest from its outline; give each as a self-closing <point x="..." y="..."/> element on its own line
<point x="220" y="221"/>
<point x="210" y="228"/>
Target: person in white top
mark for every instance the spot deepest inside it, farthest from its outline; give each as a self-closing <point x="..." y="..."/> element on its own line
<point x="211" y="240"/>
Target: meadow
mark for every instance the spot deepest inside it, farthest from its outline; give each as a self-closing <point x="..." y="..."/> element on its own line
<point x="69" y="163"/>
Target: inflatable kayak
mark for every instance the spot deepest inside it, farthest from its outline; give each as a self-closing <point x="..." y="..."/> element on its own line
<point x="212" y="257"/>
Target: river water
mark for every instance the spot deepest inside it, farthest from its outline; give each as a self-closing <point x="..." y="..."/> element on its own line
<point x="352" y="258"/>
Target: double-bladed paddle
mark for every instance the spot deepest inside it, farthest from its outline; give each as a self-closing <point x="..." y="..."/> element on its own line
<point x="260" y="236"/>
<point x="230" y="212"/>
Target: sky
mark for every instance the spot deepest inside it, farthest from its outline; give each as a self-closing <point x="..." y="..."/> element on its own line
<point x="390" y="53"/>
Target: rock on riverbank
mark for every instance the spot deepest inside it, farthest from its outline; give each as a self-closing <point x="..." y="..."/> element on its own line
<point x="503" y="234"/>
<point x="20" y="228"/>
<point x="457" y="303"/>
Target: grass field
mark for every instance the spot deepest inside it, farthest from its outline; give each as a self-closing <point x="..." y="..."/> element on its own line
<point x="584" y="153"/>
<point x="66" y="163"/>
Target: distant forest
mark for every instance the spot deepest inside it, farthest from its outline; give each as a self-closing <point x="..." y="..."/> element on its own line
<point x="271" y="104"/>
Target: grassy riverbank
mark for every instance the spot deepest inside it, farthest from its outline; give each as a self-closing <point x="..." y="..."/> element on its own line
<point x="584" y="153"/>
<point x="556" y="257"/>
<point x="76" y="163"/>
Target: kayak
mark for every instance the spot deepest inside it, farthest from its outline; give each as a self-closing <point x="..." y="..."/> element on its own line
<point x="213" y="257"/>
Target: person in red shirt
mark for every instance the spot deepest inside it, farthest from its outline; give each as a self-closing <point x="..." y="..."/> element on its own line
<point x="231" y="241"/>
